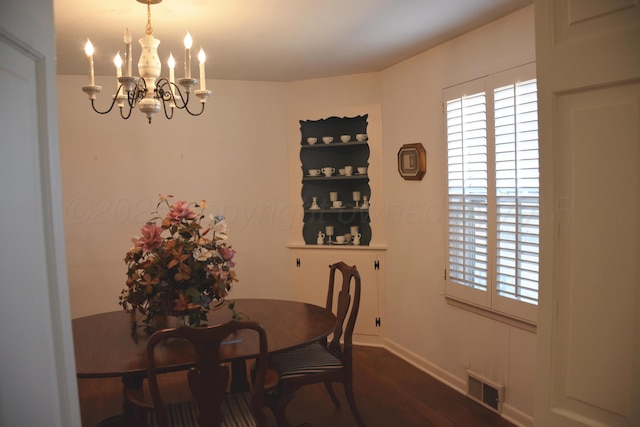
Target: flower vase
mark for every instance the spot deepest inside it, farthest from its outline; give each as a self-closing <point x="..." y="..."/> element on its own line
<point x="158" y="322"/>
<point x="182" y="320"/>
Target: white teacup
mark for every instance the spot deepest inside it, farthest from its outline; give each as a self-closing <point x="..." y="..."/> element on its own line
<point x="337" y="203"/>
<point x="348" y="170"/>
<point x="340" y="239"/>
<point x="314" y="172"/>
<point x="327" y="139"/>
<point x="328" y="171"/>
<point x="361" y="136"/>
<point x="362" y="170"/>
<point x="311" y="140"/>
<point x="345" y="138"/>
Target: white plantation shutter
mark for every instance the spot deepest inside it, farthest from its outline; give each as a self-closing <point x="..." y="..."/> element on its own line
<point x="517" y="191"/>
<point x="467" y="169"/>
<point x="493" y="193"/>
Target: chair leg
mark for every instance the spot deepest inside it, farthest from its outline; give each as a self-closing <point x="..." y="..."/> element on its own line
<point x="348" y="391"/>
<point x="278" y="405"/>
<point x="332" y="394"/>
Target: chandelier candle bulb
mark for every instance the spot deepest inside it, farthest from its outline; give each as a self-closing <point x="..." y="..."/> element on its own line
<point x="172" y="66"/>
<point x="118" y="63"/>
<point x="202" y="58"/>
<point x="88" y="49"/>
<point x="188" y="41"/>
<point x="127" y="52"/>
<point x="172" y="76"/>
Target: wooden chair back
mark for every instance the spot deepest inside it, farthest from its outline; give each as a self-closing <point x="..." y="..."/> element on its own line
<point x="347" y="306"/>
<point x="209" y="377"/>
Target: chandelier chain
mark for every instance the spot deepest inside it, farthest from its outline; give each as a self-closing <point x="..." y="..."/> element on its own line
<point x="149" y="27"/>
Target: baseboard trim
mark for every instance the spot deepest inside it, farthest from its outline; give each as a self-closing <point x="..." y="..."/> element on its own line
<point x="368" y="340"/>
<point x="426" y="366"/>
<point x="509" y="413"/>
<point x="516" y="416"/>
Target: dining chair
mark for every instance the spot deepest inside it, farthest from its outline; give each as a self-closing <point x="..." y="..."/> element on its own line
<point x="210" y="404"/>
<point x="324" y="361"/>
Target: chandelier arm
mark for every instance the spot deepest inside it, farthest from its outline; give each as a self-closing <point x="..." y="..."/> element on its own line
<point x="179" y="100"/>
<point x="125" y="116"/>
<point x="166" y="114"/>
<point x="113" y="102"/>
<point x="164" y="107"/>
<point x="93" y="104"/>
<point x="163" y="90"/>
<point x="186" y="108"/>
<point x="139" y="92"/>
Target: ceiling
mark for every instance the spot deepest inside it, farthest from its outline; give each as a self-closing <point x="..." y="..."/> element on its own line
<point x="270" y="40"/>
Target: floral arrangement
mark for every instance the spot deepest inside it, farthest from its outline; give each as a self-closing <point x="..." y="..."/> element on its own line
<point x="178" y="267"/>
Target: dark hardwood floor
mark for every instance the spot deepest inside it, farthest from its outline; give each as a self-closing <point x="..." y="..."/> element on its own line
<point x="389" y="391"/>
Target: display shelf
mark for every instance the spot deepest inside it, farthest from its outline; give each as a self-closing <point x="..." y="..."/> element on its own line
<point x="330" y="162"/>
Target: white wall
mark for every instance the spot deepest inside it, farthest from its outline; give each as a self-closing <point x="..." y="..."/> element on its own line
<point x="243" y="157"/>
<point x="112" y="171"/>
<point x="420" y="324"/>
<point x="37" y="370"/>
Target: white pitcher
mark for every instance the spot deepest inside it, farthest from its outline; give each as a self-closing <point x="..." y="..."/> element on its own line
<point x="356" y="238"/>
<point x="321" y="237"/>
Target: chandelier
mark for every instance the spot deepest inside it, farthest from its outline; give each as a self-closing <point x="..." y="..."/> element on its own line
<point x="149" y="92"/>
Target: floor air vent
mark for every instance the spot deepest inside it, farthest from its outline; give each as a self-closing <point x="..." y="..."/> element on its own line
<point x="485" y="392"/>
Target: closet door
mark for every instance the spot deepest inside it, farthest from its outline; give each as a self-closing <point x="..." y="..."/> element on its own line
<point x="588" y="66"/>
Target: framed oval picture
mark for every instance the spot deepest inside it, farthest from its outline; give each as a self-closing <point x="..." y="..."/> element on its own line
<point x="412" y="161"/>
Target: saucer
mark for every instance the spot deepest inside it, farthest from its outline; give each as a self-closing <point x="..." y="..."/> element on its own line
<point x="343" y="243"/>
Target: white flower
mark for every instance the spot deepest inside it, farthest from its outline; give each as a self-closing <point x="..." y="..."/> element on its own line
<point x="219" y="227"/>
<point x="202" y="254"/>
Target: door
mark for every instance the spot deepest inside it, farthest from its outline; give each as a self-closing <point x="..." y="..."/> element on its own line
<point x="311" y="281"/>
<point x="588" y="62"/>
<point x="38" y="385"/>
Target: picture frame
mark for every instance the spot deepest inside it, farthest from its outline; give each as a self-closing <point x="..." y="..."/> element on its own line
<point x="412" y="161"/>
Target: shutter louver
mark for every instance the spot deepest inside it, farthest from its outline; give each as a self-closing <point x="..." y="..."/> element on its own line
<point x="467" y="181"/>
<point x="517" y="191"/>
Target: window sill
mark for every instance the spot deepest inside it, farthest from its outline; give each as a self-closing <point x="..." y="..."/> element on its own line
<point x="525" y="325"/>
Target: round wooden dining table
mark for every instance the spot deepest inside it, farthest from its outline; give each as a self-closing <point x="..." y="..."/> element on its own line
<point x="106" y="344"/>
<point x="106" y="347"/>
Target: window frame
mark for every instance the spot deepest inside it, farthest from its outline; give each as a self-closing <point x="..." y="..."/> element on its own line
<point x="489" y="302"/>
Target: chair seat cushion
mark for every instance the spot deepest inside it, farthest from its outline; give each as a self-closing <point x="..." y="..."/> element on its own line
<point x="308" y="360"/>
<point x="236" y="409"/>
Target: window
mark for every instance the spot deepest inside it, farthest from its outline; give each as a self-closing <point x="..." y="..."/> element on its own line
<point x="493" y="193"/>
